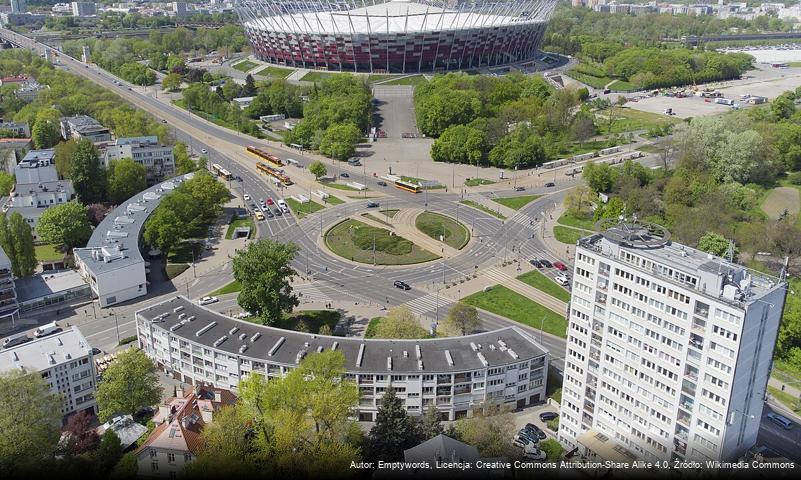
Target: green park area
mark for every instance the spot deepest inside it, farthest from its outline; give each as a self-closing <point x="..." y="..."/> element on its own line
<point x="412" y="80"/>
<point x="391" y="212"/>
<point x="484" y="209"/>
<point x="318" y="77"/>
<point x="570" y="220"/>
<point x="376" y="219"/>
<point x="275" y="72"/>
<point x="181" y="256"/>
<point x="339" y="186"/>
<point x="436" y="225"/>
<point x="245" y="66"/>
<point x="568" y="235"/>
<point x="475" y="182"/>
<point x="302" y="209"/>
<point x="311" y="321"/>
<point x="543" y="283"/>
<point x="507" y="303"/>
<point x="332" y="200"/>
<point x="48" y="253"/>
<point x="518" y="202"/>
<point x="232" y="287"/>
<point x="240" y="222"/>
<point x="364" y="243"/>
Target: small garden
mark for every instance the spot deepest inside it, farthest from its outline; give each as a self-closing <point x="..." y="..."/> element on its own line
<point x="364" y="243"/>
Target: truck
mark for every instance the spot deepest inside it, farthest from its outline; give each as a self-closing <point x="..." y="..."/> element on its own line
<point x="46" y="330"/>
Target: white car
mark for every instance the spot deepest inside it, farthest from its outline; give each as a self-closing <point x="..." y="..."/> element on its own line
<point x="242" y="315"/>
<point x="533" y="453"/>
<point x="204" y="151"/>
<point x="208" y="300"/>
<point x="562" y="280"/>
<point x="246" y="197"/>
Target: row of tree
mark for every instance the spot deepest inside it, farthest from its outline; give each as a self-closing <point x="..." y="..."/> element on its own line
<point x="16" y="240"/>
<point x="401" y="322"/>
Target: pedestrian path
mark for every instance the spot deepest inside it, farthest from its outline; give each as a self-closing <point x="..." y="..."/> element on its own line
<point x="309" y="293"/>
<point x="428" y="305"/>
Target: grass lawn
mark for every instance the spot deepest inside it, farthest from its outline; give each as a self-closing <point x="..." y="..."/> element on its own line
<point x="379" y="78"/>
<point x="505" y="302"/>
<point x="245" y="66"/>
<point x="332" y="200"/>
<point x="595" y="82"/>
<point x="230" y="288"/>
<point x="544" y="284"/>
<point x="785" y="399"/>
<point x="310" y="320"/>
<point x="275" y="72"/>
<point x="620" y="85"/>
<point x="372" y="327"/>
<point x="354" y="240"/>
<point x="412" y="80"/>
<point x="175" y="269"/>
<point x="47" y="253"/>
<point x="572" y="221"/>
<point x="434" y="224"/>
<point x="516" y="202"/>
<point x="240" y="222"/>
<point x="474" y="182"/>
<point x="303" y="209"/>
<point x="318" y="76"/>
<point x="484" y="209"/>
<point x="568" y="235"/>
<point x="340" y="186"/>
<point x="389" y="213"/>
<point x="375" y="219"/>
<point x="182" y="253"/>
<point x="629" y="120"/>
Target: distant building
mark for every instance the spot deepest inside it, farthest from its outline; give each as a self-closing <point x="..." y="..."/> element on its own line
<point x="179" y="9"/>
<point x="8" y="291"/>
<point x="18" y="6"/>
<point x="29" y="91"/>
<point x="84" y="126"/>
<point x="50" y="287"/>
<point x="126" y="429"/>
<point x="83" y="9"/>
<point x="14" y="79"/>
<point x="157" y="158"/>
<point x="11" y="150"/>
<point x="176" y="439"/>
<point x="20" y="129"/>
<point x="64" y="359"/>
<point x="244" y="102"/>
<point x="38" y="187"/>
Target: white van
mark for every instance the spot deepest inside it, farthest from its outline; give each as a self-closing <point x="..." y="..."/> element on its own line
<point x="562" y="280"/>
<point x="283" y="206"/>
<point x="46" y="330"/>
<point x="15" y="340"/>
<point x="780" y="421"/>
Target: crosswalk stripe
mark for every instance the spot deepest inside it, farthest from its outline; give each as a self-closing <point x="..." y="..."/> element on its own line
<point x="428" y="304"/>
<point x="310" y="293"/>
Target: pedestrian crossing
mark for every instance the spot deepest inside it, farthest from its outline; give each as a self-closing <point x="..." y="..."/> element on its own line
<point x="427" y="305"/>
<point x="310" y="294"/>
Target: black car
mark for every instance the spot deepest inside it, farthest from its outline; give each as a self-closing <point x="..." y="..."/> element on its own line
<point x="548" y="416"/>
<point x="546" y="263"/>
<point x="402" y="285"/>
<point x="534" y="430"/>
<point x="382" y="184"/>
<point x="96" y="351"/>
<point x="164" y="121"/>
<point x="344" y="175"/>
<point x="278" y="212"/>
<point x="372" y="205"/>
<point x="268" y="213"/>
<point x="535" y="263"/>
<point x="550" y="184"/>
<point x="520" y="189"/>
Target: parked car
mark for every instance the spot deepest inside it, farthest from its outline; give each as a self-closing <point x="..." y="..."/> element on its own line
<point x="780" y="420"/>
<point x="283" y="206"/>
<point x="526" y="437"/>
<point x="203" y="150"/>
<point x="548" y="416"/>
<point x="372" y="205"/>
<point x="15" y="340"/>
<point x="208" y="300"/>
<point x="382" y="184"/>
<point x="550" y="184"/>
<point x="278" y="212"/>
<point x="520" y="189"/>
<point x="164" y="121"/>
<point x="402" y="285"/>
<point x="259" y="216"/>
<point x="533" y="453"/>
<point x="344" y="175"/>
<point x="96" y="351"/>
<point x="535" y="262"/>
<point x="560" y="266"/>
<point x="268" y="213"/>
<point x="532" y="429"/>
<point x="269" y="201"/>
<point x="562" y="280"/>
<point x="546" y="263"/>
<point x="47" y="329"/>
<point x="521" y="442"/>
<point x="246" y="197"/>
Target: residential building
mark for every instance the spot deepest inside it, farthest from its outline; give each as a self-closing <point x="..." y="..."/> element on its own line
<point x="84" y="126"/>
<point x="125" y="427"/>
<point x="111" y="262"/>
<point x="64" y="359"/>
<point x="179" y="9"/>
<point x="11" y="151"/>
<point x="176" y="439"/>
<point x="14" y="79"/>
<point x="18" y="6"/>
<point x="157" y="158"/>
<point x="441" y="448"/>
<point x="243" y="102"/>
<point x="19" y="129"/>
<point x="29" y="91"/>
<point x="668" y="351"/>
<point x="8" y="292"/>
<point x="37" y="187"/>
<point x="457" y="375"/>
<point x="84" y="9"/>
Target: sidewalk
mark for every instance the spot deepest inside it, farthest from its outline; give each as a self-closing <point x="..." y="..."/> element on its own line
<point x="557" y="248"/>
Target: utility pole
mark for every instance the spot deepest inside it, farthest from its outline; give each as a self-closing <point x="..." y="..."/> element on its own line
<point x="117" y="326"/>
<point x="374" y="262"/>
<point x="194" y="272"/>
<point x="542" y="325"/>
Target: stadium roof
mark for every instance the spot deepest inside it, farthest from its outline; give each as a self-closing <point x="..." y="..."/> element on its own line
<point x="394" y="16"/>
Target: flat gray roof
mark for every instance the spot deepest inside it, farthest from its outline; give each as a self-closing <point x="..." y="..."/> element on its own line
<point x="451" y="354"/>
<point x="47" y="283"/>
<point x="43" y="353"/>
<point x="122" y="227"/>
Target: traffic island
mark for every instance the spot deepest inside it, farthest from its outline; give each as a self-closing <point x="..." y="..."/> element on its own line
<point x="443" y="228"/>
<point x="359" y="242"/>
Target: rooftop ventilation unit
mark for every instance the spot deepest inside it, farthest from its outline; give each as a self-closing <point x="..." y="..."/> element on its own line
<point x="305" y="344"/>
<point x="205" y="329"/>
<point x="176" y="327"/>
<point x="389" y="363"/>
<point x="405" y="354"/>
<point x="276" y="346"/>
<point x="448" y="357"/>
<point x="181" y="316"/>
<point x="473" y="346"/>
<point x="420" y="365"/>
<point x="513" y="354"/>
<point x="255" y="337"/>
<point x="482" y="359"/>
<point x="243" y="348"/>
<point x="419" y="353"/>
<point x="233" y="330"/>
<point x="334" y="346"/>
<point x="301" y="354"/>
<point x="178" y="308"/>
<point x="320" y="349"/>
<point x="242" y="336"/>
<point x="190" y="318"/>
<point x="360" y="357"/>
<point x="220" y="341"/>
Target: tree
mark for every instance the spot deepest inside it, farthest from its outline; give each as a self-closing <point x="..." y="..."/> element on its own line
<point x="394" y="430"/>
<point x="339" y="141"/>
<point x="66" y="224"/>
<point x="171" y="82"/>
<point x="400" y="322"/>
<point x="599" y="176"/>
<point x="6" y="183"/>
<point x="87" y="175"/>
<point x="109" y="453"/>
<point x="249" y="89"/>
<point x="317" y="168"/>
<point x="183" y="164"/>
<point x="30" y="421"/>
<point x="462" y="318"/>
<point x="7" y="243"/>
<point x="126" y="178"/>
<point x="583" y="126"/>
<point x="126" y="468"/>
<point x="63" y="157"/>
<point x="96" y="212"/>
<point x="44" y="134"/>
<point x="713" y="243"/>
<point x="430" y="425"/>
<point x="24" y="251"/>
<point x="228" y="447"/>
<point x="459" y="144"/>
<point x="129" y="383"/>
<point x="82" y="436"/>
<point x="552" y="449"/>
<point x="490" y="434"/>
<point x="578" y="202"/>
<point x="301" y="422"/>
<point x="783" y="106"/>
<point x="264" y="271"/>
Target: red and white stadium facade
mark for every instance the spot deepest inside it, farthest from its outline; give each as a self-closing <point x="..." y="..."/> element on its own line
<point x="394" y="36"/>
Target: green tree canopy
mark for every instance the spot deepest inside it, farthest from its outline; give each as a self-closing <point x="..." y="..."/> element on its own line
<point x="171" y="82"/>
<point x="400" y="322"/>
<point x="6" y="183"/>
<point x="460" y="144"/>
<point x="264" y="271"/>
<point x="462" y="318"/>
<point x="394" y="430"/>
<point x="339" y="140"/>
<point x="317" y="168"/>
<point x="87" y="174"/>
<point x="126" y="178"/>
<point x="129" y="383"/>
<point x="65" y="224"/>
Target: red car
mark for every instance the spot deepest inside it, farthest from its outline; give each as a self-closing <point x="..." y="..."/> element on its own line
<point x="269" y="201"/>
<point x="559" y="265"/>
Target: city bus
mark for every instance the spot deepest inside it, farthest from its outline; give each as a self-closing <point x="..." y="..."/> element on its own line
<point x="402" y="184"/>
<point x="217" y="169"/>
<point x="275" y="173"/>
<point x="263" y="155"/>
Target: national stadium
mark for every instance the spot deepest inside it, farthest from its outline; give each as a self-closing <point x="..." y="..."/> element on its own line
<point x="394" y="36"/>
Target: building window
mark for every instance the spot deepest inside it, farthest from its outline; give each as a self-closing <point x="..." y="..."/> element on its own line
<point x="152" y="453"/>
<point x="171" y="457"/>
<point x="154" y="466"/>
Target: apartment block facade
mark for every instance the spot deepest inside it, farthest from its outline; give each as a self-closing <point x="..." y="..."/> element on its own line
<point x="669" y="349"/>
<point x="157" y="159"/>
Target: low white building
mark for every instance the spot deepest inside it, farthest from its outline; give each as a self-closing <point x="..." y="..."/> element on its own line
<point x="84" y="9"/>
<point x="20" y="129"/>
<point x="243" y="102"/>
<point x="29" y="91"/>
<point x="157" y="159"/>
<point x="64" y="359"/>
